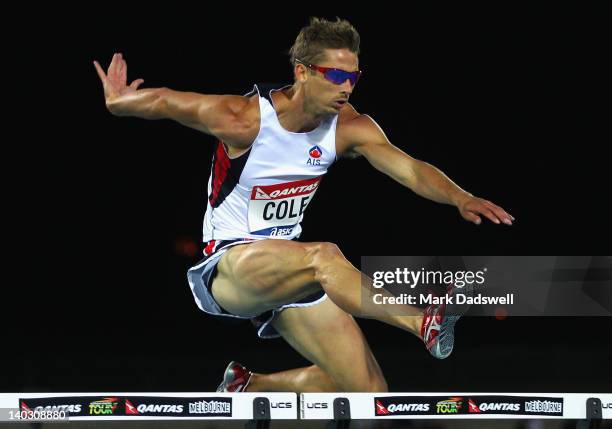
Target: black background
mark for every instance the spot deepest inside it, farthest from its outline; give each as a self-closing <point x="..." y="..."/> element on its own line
<point x="106" y="211"/>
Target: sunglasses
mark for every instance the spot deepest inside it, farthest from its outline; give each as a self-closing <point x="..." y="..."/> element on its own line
<point x="336" y="76"/>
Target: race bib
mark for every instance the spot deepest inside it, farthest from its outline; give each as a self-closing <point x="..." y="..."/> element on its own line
<point x="275" y="210"/>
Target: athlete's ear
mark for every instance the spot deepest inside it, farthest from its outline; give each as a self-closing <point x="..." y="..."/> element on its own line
<point x="300" y="72"/>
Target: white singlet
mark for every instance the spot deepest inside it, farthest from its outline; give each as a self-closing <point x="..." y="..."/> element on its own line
<point x="263" y="192"/>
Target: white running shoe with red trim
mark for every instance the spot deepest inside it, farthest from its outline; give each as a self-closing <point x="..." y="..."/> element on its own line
<point x="438" y="328"/>
<point x="236" y="378"/>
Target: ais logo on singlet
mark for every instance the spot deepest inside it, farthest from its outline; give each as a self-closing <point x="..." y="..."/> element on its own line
<point x="315" y="153"/>
<point x="275" y="210"/>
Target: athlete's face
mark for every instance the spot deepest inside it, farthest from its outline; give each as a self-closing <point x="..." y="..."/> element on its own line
<point x="325" y="96"/>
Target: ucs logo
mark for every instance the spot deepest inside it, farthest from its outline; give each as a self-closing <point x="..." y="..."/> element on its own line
<point x="281" y="405"/>
<point x="318" y="405"/>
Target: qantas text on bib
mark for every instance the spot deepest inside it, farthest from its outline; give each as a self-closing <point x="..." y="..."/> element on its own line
<point x="274" y="210"/>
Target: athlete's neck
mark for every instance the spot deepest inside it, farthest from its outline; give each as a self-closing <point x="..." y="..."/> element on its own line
<point x="294" y="111"/>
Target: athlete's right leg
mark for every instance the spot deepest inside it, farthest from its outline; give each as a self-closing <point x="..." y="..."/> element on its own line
<point x="266" y="274"/>
<point x="331" y="339"/>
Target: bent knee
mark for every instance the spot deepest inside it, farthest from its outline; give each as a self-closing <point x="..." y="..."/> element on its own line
<point x="326" y="250"/>
<point x="325" y="261"/>
<point x="325" y="254"/>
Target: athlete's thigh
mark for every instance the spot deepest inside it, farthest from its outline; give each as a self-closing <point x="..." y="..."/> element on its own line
<point x="332" y="340"/>
<point x="255" y="277"/>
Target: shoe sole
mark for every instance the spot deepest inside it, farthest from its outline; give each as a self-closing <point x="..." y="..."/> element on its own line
<point x="446" y="339"/>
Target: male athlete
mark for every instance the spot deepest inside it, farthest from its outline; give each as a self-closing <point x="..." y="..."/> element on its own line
<point x="274" y="146"/>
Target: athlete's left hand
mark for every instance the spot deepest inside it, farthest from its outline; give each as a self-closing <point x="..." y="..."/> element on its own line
<point x="471" y="207"/>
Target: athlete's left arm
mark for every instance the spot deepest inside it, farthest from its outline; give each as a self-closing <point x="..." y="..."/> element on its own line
<point x="369" y="140"/>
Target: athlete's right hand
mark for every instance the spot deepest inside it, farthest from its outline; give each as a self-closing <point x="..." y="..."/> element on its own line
<point x="114" y="80"/>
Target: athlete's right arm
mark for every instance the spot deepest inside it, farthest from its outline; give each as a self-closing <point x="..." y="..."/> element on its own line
<point x="222" y="116"/>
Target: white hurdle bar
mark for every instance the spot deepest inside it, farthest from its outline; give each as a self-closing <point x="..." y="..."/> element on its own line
<point x="265" y="406"/>
<point x="152" y="406"/>
<point x="346" y="406"/>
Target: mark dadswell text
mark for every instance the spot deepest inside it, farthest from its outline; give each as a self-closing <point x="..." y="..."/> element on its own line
<point x="459" y="299"/>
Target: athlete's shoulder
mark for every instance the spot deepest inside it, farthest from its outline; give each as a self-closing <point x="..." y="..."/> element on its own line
<point x="241" y="104"/>
<point x="347" y="113"/>
<point x="244" y="125"/>
<point x="354" y="129"/>
<point x="353" y="123"/>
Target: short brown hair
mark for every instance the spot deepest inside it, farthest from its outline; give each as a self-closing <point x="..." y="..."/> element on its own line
<point x="322" y="34"/>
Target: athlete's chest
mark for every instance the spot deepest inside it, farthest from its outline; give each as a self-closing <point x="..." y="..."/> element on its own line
<point x="280" y="179"/>
<point x="277" y="159"/>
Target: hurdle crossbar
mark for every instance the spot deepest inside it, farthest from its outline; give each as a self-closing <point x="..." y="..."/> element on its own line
<point x="308" y="406"/>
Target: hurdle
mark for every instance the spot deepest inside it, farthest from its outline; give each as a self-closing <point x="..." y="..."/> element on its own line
<point x="262" y="407"/>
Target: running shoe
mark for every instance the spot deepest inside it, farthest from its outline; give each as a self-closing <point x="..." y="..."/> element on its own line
<point x="438" y="328"/>
<point x="235" y="378"/>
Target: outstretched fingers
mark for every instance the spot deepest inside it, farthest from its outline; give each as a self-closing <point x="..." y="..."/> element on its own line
<point x="134" y="85"/>
<point x="485" y="211"/>
<point x="100" y="71"/>
<point x="111" y="72"/>
<point x="471" y="217"/>
<point x="122" y="69"/>
<point x="505" y="217"/>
